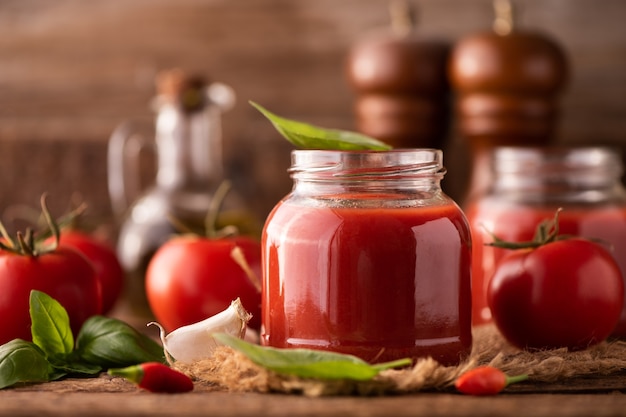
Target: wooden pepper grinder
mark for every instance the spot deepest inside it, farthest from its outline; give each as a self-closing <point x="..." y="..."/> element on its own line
<point x="401" y="84"/>
<point x="507" y="84"/>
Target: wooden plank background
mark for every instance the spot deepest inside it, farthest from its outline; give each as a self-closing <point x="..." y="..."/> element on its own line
<point x="72" y="70"/>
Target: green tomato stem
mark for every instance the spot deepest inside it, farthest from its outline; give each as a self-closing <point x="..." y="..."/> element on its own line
<point x="9" y="240"/>
<point x="24" y="242"/>
<point x="54" y="227"/>
<point x="210" y="223"/>
<point x="237" y="255"/>
<point x="547" y="232"/>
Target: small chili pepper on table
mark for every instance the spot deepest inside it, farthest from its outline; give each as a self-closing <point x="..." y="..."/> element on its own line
<point x="155" y="377"/>
<point x="485" y="380"/>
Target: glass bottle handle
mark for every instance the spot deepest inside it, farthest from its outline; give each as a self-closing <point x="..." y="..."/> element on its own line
<point x="124" y="148"/>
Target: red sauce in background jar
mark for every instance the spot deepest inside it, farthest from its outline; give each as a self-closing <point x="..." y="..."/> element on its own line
<point x="368" y="257"/>
<point x="530" y="184"/>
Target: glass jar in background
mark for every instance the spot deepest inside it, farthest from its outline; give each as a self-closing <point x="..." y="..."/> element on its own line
<point x="529" y="185"/>
<point x="367" y="256"/>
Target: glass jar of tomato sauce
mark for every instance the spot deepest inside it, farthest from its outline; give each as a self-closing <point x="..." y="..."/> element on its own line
<point x="367" y="256"/>
<point x="528" y="186"/>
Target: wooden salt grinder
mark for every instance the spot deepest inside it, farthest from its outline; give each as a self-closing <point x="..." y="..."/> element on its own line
<point x="507" y="84"/>
<point x="401" y="86"/>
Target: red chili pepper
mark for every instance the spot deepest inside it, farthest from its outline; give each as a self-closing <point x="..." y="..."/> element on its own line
<point x="485" y="380"/>
<point x="155" y="377"/>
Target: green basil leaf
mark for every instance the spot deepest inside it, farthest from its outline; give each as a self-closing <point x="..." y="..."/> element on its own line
<point x="72" y="364"/>
<point x="50" y="324"/>
<point x="56" y="374"/>
<point x="22" y="361"/>
<point x="308" y="363"/>
<point x="306" y="136"/>
<point x="112" y="343"/>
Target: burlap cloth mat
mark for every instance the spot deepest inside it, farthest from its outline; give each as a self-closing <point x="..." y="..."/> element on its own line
<point x="232" y="371"/>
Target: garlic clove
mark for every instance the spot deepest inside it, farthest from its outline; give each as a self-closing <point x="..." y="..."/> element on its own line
<point x="195" y="341"/>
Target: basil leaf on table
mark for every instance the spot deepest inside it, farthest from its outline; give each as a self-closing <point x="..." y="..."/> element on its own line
<point x="112" y="343"/>
<point x="307" y="136"/>
<point x="22" y="361"/>
<point x="308" y="363"/>
<point x="50" y="326"/>
<point x="101" y="343"/>
<point x="73" y="365"/>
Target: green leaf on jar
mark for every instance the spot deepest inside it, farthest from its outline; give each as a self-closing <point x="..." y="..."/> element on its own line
<point x="307" y="136"/>
<point x="50" y="325"/>
<point x="308" y="363"/>
<point x="20" y="362"/>
<point x="112" y="343"/>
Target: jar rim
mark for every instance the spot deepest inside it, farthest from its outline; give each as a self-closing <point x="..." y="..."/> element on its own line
<point x="361" y="164"/>
<point x="516" y="159"/>
<point x="572" y="153"/>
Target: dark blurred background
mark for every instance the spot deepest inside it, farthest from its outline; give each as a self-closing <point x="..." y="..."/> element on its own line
<point x="72" y="70"/>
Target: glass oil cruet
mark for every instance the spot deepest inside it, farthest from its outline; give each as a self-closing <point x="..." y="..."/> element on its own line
<point x="189" y="167"/>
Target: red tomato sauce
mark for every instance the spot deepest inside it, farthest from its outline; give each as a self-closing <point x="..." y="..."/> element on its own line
<point x="378" y="283"/>
<point x="518" y="223"/>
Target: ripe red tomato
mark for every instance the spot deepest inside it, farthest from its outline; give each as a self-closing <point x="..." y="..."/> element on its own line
<point x="63" y="274"/>
<point x="191" y="278"/>
<point x="567" y="293"/>
<point x="104" y="260"/>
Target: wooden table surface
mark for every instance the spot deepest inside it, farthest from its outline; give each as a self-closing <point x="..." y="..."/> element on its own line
<point x="600" y="391"/>
<point x="106" y="396"/>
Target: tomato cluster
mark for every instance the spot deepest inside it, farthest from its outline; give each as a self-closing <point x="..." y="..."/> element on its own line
<point x="190" y="278"/>
<point x="73" y="267"/>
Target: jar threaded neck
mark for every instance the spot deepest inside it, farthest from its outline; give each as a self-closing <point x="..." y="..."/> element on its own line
<point x="355" y="166"/>
<point x="556" y="172"/>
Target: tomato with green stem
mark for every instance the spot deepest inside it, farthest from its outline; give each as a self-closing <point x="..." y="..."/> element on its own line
<point x="97" y="250"/>
<point x="63" y="273"/>
<point x="192" y="277"/>
<point x="556" y="291"/>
